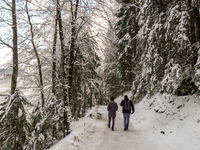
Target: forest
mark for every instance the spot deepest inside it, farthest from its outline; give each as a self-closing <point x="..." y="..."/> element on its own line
<point x="71" y="55"/>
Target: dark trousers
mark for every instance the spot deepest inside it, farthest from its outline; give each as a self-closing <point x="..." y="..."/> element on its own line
<point x="113" y="122"/>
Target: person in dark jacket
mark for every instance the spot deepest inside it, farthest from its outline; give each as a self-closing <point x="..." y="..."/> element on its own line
<point x="112" y="108"/>
<point x="127" y="105"/>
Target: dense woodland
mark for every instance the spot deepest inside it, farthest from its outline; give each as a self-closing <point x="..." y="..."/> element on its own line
<point x="70" y="55"/>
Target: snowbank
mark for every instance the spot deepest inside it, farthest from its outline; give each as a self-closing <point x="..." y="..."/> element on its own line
<point x="173" y="122"/>
<point x="170" y="122"/>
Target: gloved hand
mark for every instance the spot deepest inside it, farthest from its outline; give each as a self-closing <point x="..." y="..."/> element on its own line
<point x="132" y="112"/>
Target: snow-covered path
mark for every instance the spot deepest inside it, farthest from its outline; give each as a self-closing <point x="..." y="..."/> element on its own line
<point x="163" y="122"/>
<point x="97" y="136"/>
<point x="133" y="139"/>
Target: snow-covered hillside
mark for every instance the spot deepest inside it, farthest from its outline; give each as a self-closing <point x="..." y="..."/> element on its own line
<point x="163" y="122"/>
<point x="173" y="122"/>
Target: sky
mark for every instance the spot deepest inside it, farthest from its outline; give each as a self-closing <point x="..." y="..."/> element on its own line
<point x="162" y="122"/>
<point x="5" y="53"/>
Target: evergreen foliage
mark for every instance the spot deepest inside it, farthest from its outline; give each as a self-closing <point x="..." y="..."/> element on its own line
<point x="125" y="32"/>
<point x="164" y="55"/>
<point x="86" y="87"/>
<point x="111" y="81"/>
<point x="168" y="55"/>
<point x="47" y="125"/>
<point x="14" y="125"/>
<point x="151" y="46"/>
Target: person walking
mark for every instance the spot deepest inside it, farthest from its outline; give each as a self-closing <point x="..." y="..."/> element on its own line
<point x="112" y="108"/>
<point x="127" y="105"/>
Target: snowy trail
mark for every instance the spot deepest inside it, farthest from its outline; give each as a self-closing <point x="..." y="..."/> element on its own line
<point x="95" y="135"/>
<point x="103" y="138"/>
<point x="174" y="129"/>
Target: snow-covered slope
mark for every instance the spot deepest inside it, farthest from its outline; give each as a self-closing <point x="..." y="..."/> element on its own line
<point x="173" y="122"/>
<point x="163" y="122"/>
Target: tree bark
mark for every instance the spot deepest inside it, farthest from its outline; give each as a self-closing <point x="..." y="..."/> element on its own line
<point x="15" y="49"/>
<point x="63" y="55"/>
<point x="53" y="57"/>
<point x="15" y="66"/>
<point x="72" y="49"/>
<point x="194" y="28"/>
<point x="197" y="23"/>
<point x="90" y="96"/>
<point x="84" y="93"/>
<point x="191" y="22"/>
<point x="63" y="70"/>
<point x="37" y="56"/>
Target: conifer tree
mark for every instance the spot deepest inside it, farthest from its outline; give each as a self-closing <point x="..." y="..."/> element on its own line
<point x="126" y="31"/>
<point x="47" y="124"/>
<point x="167" y="55"/>
<point x="15" y="128"/>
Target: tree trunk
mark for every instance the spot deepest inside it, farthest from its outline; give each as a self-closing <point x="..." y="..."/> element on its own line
<point x="84" y="93"/>
<point x="194" y="28"/>
<point x="63" y="55"/>
<point x="72" y="49"/>
<point x="15" y="50"/>
<point x="191" y="22"/>
<point x="63" y="70"/>
<point x="91" y="99"/>
<point x="197" y="23"/>
<point x="90" y="96"/>
<point x="15" y="67"/>
<point x="53" y="57"/>
<point x="37" y="56"/>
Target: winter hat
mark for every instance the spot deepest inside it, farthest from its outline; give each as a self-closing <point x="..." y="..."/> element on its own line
<point x="126" y="97"/>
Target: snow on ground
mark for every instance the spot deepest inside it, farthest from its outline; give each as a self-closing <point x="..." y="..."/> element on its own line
<point x="162" y="122"/>
<point x="93" y="134"/>
<point x="173" y="122"/>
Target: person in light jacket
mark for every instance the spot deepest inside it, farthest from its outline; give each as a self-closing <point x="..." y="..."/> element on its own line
<point x="112" y="108"/>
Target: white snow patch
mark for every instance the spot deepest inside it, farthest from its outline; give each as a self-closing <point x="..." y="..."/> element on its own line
<point x="162" y="122"/>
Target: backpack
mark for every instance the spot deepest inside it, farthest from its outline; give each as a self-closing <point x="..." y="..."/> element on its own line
<point x="127" y="105"/>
